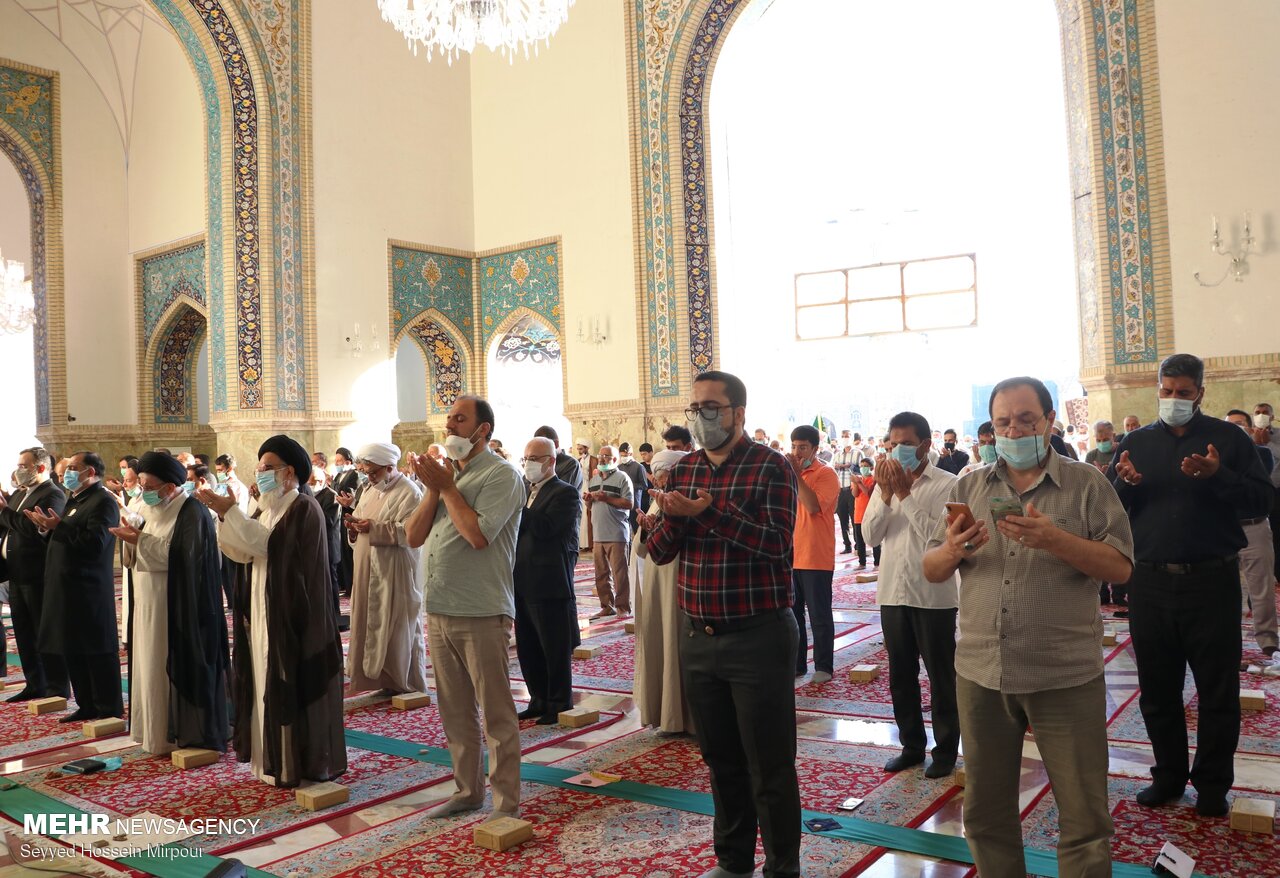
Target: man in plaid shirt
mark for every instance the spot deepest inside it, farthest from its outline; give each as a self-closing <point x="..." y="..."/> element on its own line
<point x="729" y="513"/>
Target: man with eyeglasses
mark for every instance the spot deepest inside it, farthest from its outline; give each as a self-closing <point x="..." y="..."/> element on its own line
<point x="79" y="618"/>
<point x="287" y="661"/>
<point x="546" y="613"/>
<point x="25" y="547"/>
<point x="729" y="514"/>
<point x="1187" y="481"/>
<point x="1030" y="650"/>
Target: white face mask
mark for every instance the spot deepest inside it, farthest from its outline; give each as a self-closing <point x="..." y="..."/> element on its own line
<point x="458" y="447"/>
<point x="533" y="471"/>
<point x="1176" y="412"/>
<point x="1262" y="420"/>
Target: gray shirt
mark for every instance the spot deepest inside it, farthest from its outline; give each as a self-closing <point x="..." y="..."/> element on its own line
<point x="609" y="524"/>
<point x="1029" y="622"/>
<point x="464" y="581"/>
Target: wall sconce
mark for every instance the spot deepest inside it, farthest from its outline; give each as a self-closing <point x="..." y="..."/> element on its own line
<point x="356" y="346"/>
<point x="594" y="330"/>
<point x="1239" y="265"/>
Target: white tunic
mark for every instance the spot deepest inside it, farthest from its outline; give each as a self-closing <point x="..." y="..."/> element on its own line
<point x="149" y="647"/>
<point x="387" y="645"/>
<point x="245" y="540"/>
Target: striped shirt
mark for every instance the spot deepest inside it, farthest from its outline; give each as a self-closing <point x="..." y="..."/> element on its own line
<point x="735" y="557"/>
<point x="1029" y="622"/>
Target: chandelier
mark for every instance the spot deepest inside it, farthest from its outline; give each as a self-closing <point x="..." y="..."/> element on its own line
<point x="17" y="306"/>
<point x="452" y="27"/>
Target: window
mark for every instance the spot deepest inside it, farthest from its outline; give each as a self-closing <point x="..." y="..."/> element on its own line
<point x="911" y="296"/>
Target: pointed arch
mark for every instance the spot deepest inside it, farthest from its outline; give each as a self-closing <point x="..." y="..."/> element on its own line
<point x="446" y="355"/>
<point x="36" y="153"/>
<point x="168" y="378"/>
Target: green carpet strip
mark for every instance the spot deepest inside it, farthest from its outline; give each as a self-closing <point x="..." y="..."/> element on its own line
<point x="897" y="838"/>
<point x="20" y="801"/>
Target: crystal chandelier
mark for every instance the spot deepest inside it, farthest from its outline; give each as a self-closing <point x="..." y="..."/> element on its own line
<point x="17" y="306"/>
<point x="452" y="27"/>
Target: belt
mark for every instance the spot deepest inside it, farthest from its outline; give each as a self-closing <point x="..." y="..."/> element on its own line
<point x="1245" y="522"/>
<point x="714" y="628"/>
<point x="1211" y="564"/>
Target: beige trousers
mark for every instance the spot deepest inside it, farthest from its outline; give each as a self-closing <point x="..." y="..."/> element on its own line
<point x="611" y="563"/>
<point x="469" y="659"/>
<point x="1257" y="576"/>
<point x="1071" y="734"/>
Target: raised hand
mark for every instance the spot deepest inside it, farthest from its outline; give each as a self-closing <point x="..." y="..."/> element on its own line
<point x="1202" y="466"/>
<point x="126" y="532"/>
<point x="1127" y="471"/>
<point x="1035" y="530"/>
<point x="219" y="503"/>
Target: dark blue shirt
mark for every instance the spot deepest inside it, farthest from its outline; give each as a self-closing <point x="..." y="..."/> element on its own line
<point x="1178" y="519"/>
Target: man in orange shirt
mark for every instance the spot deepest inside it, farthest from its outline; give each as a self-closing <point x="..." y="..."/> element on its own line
<point x="814" y="551"/>
<point x="864" y="485"/>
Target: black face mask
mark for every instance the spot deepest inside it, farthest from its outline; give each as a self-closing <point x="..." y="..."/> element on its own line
<point x="950" y="446"/>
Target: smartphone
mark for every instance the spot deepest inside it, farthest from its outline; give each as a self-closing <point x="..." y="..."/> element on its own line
<point x="961" y="511"/>
<point x="849" y="804"/>
<point x="1003" y="507"/>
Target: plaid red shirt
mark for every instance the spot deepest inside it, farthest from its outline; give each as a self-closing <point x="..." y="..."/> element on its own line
<point x="735" y="558"/>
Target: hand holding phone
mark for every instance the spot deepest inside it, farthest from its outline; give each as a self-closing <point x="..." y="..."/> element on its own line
<point x="960" y="511"/>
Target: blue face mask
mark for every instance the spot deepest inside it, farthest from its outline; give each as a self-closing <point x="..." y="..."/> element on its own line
<point x="152" y="498"/>
<point x="906" y="455"/>
<point x="987" y="453"/>
<point x="188" y="488"/>
<point x="1174" y="412"/>
<point x="266" y="481"/>
<point x="1023" y="453"/>
<point x="71" y="479"/>
<point x="1105" y="446"/>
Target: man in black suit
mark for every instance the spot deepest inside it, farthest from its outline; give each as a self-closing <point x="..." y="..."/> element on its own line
<point x="79" y="622"/>
<point x="546" y="614"/>
<point x="332" y="509"/>
<point x="568" y="469"/>
<point x="24" y="548"/>
<point x="346" y="485"/>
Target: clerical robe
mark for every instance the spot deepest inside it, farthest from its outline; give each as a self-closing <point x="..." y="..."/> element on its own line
<point x="387" y="645"/>
<point x="287" y="661"/>
<point x="177" y="632"/>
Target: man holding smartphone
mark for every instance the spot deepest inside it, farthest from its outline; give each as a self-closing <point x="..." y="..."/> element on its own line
<point x="1030" y="651"/>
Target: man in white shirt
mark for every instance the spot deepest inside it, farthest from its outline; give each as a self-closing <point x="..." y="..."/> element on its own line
<point x="918" y="617"/>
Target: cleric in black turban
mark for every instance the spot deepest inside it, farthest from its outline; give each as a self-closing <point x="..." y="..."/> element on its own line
<point x="291" y="453"/>
<point x="163" y="466"/>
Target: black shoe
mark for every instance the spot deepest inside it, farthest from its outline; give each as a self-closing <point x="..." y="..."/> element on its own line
<point x="548" y="719"/>
<point x="905" y="759"/>
<point x="1154" y="796"/>
<point x="530" y="713"/>
<point x="1209" y="805"/>
<point x="79" y="716"/>
<point x="24" y="695"/>
<point x="847" y="550"/>
<point x="940" y="767"/>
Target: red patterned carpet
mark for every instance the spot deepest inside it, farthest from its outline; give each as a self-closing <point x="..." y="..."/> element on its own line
<point x="22" y="734"/>
<point x="1259" y="730"/>
<point x="1218" y="850"/>
<point x="839" y="696"/>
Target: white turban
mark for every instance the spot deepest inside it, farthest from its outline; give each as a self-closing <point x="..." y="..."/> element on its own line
<point x="665" y="459"/>
<point x="380" y="453"/>
<point x="583" y="442"/>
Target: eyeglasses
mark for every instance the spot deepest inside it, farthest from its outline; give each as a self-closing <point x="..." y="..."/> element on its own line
<point x="1024" y="425"/>
<point x="537" y="458"/>
<point x="709" y="411"/>
<point x="263" y="468"/>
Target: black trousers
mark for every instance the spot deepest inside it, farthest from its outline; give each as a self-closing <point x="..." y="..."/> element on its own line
<point x="95" y="680"/>
<point x="346" y="569"/>
<point x="230" y="570"/>
<point x="544" y="647"/>
<point x="813" y="593"/>
<point x="1188" y="619"/>
<point x="46" y="674"/>
<point x="844" y="511"/>
<point x="861" y="545"/>
<point x="742" y="696"/>
<point x="912" y="634"/>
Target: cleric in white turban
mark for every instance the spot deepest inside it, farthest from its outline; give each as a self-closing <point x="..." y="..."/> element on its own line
<point x="388" y="651"/>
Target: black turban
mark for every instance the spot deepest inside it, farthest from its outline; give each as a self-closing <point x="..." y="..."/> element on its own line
<point x="291" y="453"/>
<point x="163" y="466"/>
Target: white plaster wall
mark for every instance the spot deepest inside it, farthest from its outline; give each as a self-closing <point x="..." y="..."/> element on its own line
<point x="95" y="230"/>
<point x="167" y="149"/>
<point x="1219" y="82"/>
<point x="551" y="157"/>
<point x="15" y="216"/>
<point x="392" y="160"/>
